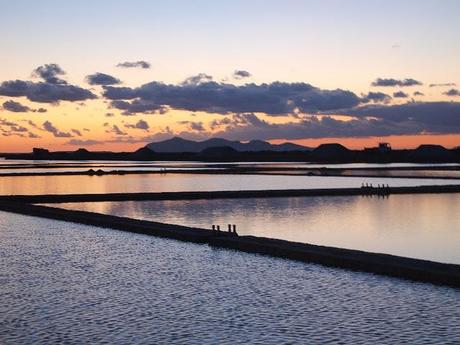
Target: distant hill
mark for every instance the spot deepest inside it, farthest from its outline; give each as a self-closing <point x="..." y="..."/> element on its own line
<point x="177" y="144"/>
<point x="331" y="149"/>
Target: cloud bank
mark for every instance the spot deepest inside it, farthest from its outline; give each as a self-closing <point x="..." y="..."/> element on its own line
<point x="199" y="93"/>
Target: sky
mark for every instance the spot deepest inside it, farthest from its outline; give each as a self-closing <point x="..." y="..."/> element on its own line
<point x="116" y="75"/>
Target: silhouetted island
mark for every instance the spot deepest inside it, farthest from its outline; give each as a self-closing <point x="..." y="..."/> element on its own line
<point x="221" y="150"/>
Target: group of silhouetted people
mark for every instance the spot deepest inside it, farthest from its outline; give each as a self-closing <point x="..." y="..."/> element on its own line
<point x="381" y="189"/>
<point x="231" y="229"/>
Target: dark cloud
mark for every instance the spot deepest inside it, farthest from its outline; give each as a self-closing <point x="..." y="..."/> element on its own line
<point x="44" y="92"/>
<point x="49" y="127"/>
<point x="194" y="125"/>
<point x="197" y="79"/>
<point x="12" y="126"/>
<point x="240" y="74"/>
<point x="418" y="93"/>
<point x="435" y="116"/>
<point x="33" y="125"/>
<point x="376" y="97"/>
<point x="88" y="142"/>
<point x="115" y="130"/>
<point x="135" y="64"/>
<point x="49" y="73"/>
<point x="395" y="82"/>
<point x="33" y="136"/>
<point x="102" y="79"/>
<point x="276" y="98"/>
<point x="138" y="106"/>
<point x="452" y="92"/>
<point x="443" y="85"/>
<point x="141" y="124"/>
<point x="373" y="120"/>
<point x="17" y="107"/>
<point x="220" y="122"/>
<point x="109" y="114"/>
<point x="400" y="94"/>
<point x="76" y="132"/>
<point x="313" y="127"/>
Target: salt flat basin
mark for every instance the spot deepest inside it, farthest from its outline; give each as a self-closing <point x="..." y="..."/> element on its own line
<point x="71" y="283"/>
<point x="422" y="226"/>
<point x="30" y="185"/>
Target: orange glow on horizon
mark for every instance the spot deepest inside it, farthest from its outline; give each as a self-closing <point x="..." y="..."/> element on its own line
<point x="17" y="144"/>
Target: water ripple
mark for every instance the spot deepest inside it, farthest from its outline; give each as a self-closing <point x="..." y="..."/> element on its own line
<point x="74" y="284"/>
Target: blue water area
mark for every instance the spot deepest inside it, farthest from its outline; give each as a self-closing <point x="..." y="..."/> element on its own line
<point x="423" y="226"/>
<point x="74" y="284"/>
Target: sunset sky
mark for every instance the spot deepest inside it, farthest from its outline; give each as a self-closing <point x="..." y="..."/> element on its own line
<point x="116" y="75"/>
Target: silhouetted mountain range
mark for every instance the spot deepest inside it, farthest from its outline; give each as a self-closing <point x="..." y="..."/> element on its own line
<point x="221" y="150"/>
<point x="177" y="145"/>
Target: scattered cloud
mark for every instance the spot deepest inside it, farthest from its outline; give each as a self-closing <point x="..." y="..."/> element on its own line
<point x="418" y="93"/>
<point x="49" y="73"/>
<point x="87" y="142"/>
<point x="17" y="107"/>
<point x="400" y="94"/>
<point x="376" y="97"/>
<point x="135" y="64"/>
<point x="452" y="92"/>
<point x="76" y="132"/>
<point x="101" y="79"/>
<point x="51" y="90"/>
<point x="241" y="74"/>
<point x="443" y="84"/>
<point x="11" y="128"/>
<point x="395" y="82"/>
<point x="197" y="79"/>
<point x="193" y="125"/>
<point x="138" y="106"/>
<point x="44" y="92"/>
<point x="49" y="127"/>
<point x="115" y="130"/>
<point x="141" y="124"/>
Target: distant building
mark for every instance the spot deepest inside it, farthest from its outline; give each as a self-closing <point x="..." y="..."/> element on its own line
<point x="384" y="147"/>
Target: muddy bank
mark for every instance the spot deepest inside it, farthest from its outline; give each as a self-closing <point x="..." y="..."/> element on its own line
<point x="384" y="264"/>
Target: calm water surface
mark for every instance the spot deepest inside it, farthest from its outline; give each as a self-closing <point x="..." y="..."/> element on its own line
<point x="29" y="166"/>
<point x="187" y="182"/>
<point x="425" y="226"/>
<point x="75" y="284"/>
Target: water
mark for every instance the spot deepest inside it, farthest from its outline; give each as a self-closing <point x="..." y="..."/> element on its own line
<point x="83" y="184"/>
<point x="31" y="166"/>
<point x="75" y="284"/>
<point x="424" y="226"/>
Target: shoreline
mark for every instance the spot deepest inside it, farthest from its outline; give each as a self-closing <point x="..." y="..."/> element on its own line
<point x="382" y="264"/>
